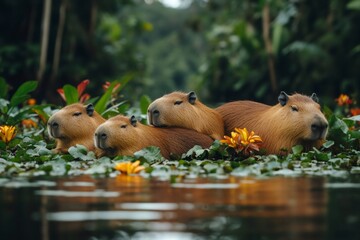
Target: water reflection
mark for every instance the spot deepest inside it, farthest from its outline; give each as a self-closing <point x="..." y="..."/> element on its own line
<point x="133" y="207"/>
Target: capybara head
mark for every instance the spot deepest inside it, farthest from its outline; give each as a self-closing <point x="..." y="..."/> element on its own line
<point x="179" y="109"/>
<point x="118" y="136"/>
<point x="300" y="117"/>
<point x="74" y="124"/>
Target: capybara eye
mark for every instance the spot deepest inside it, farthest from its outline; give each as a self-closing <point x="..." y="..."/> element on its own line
<point x="77" y="114"/>
<point x="178" y="102"/>
<point x="123" y="126"/>
<point x="294" y="108"/>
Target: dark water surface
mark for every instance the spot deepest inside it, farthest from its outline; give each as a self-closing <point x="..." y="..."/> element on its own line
<point x="133" y="207"/>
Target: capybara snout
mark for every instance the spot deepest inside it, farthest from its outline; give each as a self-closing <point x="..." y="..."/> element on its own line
<point x="100" y="138"/>
<point x="53" y="129"/>
<point x="319" y="128"/>
<point x="154" y="117"/>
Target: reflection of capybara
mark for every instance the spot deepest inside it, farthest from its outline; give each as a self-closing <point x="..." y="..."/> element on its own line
<point x="184" y="110"/>
<point x="121" y="135"/>
<point x="74" y="124"/>
<point x="295" y="120"/>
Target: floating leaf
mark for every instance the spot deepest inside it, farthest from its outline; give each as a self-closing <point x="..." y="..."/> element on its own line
<point x="150" y="154"/>
<point x="297" y="149"/>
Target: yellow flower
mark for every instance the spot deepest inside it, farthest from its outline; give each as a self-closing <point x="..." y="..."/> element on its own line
<point x="129" y="167"/>
<point x="343" y="99"/>
<point x="7" y="133"/>
<point x="242" y="141"/>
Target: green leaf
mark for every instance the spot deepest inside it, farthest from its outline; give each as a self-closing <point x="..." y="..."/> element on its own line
<point x="81" y="152"/>
<point x="100" y="106"/>
<point x="150" y="154"/>
<point x="337" y="123"/>
<point x="354" y="118"/>
<point x="144" y="103"/>
<point x="276" y="37"/>
<point x="3" y="88"/>
<point x="354" y="5"/>
<point x="297" y="149"/>
<point x="71" y="94"/>
<point x="21" y="93"/>
<point x="328" y="144"/>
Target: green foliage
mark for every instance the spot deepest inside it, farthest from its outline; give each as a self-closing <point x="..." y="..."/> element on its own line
<point x="22" y="92"/>
<point x="101" y="105"/>
<point x="11" y="113"/>
<point x="3" y="88"/>
<point x="71" y="94"/>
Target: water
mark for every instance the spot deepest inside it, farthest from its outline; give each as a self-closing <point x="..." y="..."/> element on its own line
<point x="133" y="207"/>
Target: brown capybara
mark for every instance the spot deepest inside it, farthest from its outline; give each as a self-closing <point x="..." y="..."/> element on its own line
<point x="184" y="110"/>
<point x="121" y="135"/>
<point x="295" y="120"/>
<point x="74" y="124"/>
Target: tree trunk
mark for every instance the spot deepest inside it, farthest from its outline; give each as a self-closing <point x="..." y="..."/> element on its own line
<point x="58" y="41"/>
<point x="44" y="39"/>
<point x="268" y="46"/>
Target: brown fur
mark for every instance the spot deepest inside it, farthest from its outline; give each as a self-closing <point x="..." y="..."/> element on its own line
<point x="72" y="129"/>
<point x="278" y="126"/>
<point x="123" y="138"/>
<point x="196" y="116"/>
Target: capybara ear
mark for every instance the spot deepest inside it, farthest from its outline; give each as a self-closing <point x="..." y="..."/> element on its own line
<point x="283" y="98"/>
<point x="133" y="120"/>
<point x="315" y="98"/>
<point x="192" y="97"/>
<point x="90" y="109"/>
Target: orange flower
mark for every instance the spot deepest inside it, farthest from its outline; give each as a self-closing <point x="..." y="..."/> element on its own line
<point x="7" y="133"/>
<point x="129" y="167"/>
<point x="343" y="99"/>
<point x="242" y="141"/>
<point x="31" y="101"/>
<point x="355" y="111"/>
<point x="28" y="123"/>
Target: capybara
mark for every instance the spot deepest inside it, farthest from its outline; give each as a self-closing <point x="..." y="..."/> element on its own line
<point x="184" y="110"/>
<point x="295" y="120"/>
<point x="122" y="135"/>
<point x="74" y="124"/>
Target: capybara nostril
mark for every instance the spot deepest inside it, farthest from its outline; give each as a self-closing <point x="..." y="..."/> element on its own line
<point x="156" y="112"/>
<point x="103" y="136"/>
<point x="54" y="125"/>
<point x="316" y="127"/>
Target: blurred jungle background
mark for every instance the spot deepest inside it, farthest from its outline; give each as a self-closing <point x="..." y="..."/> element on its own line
<point x="224" y="50"/>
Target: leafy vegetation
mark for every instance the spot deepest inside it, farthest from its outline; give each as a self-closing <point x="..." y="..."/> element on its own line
<point x="28" y="152"/>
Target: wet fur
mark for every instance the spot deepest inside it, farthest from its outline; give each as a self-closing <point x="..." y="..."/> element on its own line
<point x="128" y="140"/>
<point x="74" y="129"/>
<point x="195" y="116"/>
<point x="277" y="125"/>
